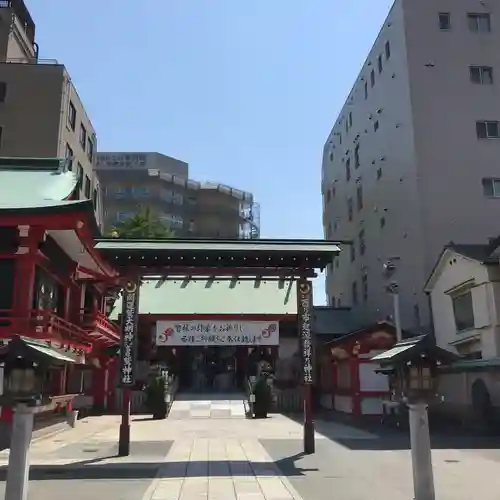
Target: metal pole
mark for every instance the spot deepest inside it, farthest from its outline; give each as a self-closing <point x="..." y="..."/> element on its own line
<point x="18" y="468"/>
<point x="423" y="478"/>
<point x="124" y="437"/>
<point x="397" y="317"/>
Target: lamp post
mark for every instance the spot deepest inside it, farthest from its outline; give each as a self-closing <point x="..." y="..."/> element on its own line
<point x="392" y="288"/>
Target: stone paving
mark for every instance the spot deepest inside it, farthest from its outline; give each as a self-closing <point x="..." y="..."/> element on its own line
<point x="206" y="456"/>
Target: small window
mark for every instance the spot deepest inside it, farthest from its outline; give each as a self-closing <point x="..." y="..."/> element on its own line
<point x="382" y="222"/>
<point x="79" y="174"/>
<point x="376" y="126"/>
<point x="387" y="50"/>
<point x="83" y="136"/>
<point x="372" y="78"/>
<point x="379" y="64"/>
<point x="488" y="130"/>
<point x="352" y="251"/>
<point x="444" y="21"/>
<point x="69" y="156"/>
<point x="359" y="197"/>
<point x="72" y="116"/>
<point x="350" y="209"/>
<point x="350" y="119"/>
<point x="366" y="90"/>
<point x="356" y="156"/>
<point x="94" y="198"/>
<point x="463" y="311"/>
<point x="348" y="169"/>
<point x="90" y="149"/>
<point x="362" y="246"/>
<point x="331" y="155"/>
<point x="491" y="188"/>
<point x="354" y="294"/>
<point x="379" y="173"/>
<point x="481" y="74"/>
<point x="364" y="287"/>
<point x="3" y="91"/>
<point x="86" y="191"/>
<point x="479" y="23"/>
<point x="328" y="196"/>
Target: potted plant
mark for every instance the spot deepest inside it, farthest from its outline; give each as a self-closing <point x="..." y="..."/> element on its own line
<point x="262" y="393"/>
<point x="156" y="396"/>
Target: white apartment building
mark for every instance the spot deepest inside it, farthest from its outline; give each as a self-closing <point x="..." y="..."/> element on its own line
<point x="412" y="161"/>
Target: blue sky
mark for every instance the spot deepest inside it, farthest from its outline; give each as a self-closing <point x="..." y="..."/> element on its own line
<point x="244" y="91"/>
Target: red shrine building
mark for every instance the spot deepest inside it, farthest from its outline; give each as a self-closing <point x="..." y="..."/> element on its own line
<point x="53" y="280"/>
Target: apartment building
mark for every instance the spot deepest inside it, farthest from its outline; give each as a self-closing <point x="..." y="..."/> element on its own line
<point x="41" y="114"/>
<point x="412" y="161"/>
<point x="189" y="207"/>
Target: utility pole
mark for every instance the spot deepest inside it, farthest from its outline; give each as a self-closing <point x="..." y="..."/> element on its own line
<point x="392" y="288"/>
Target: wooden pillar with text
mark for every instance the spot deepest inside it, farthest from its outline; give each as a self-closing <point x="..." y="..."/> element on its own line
<point x="304" y="312"/>
<point x="128" y="359"/>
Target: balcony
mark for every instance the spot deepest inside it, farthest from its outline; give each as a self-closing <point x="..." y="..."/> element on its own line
<point x="44" y="325"/>
<point x="98" y="327"/>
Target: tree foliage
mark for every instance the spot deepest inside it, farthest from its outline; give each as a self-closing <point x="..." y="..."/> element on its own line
<point x="144" y="224"/>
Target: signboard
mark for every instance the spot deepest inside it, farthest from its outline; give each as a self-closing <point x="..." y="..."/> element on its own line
<point x="217" y="333"/>
<point x="121" y="161"/>
<point x="304" y="298"/>
<point x="128" y="348"/>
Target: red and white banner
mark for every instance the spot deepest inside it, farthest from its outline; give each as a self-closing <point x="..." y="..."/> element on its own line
<point x="217" y="333"/>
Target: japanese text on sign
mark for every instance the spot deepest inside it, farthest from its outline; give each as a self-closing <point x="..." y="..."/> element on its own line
<point x="212" y="333"/>
<point x="129" y="327"/>
<point x="305" y="331"/>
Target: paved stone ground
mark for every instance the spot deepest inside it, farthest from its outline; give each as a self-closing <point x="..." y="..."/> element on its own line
<point x="210" y="457"/>
<point x="208" y="406"/>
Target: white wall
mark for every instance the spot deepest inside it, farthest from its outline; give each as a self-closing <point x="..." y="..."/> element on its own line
<point x="453" y="271"/>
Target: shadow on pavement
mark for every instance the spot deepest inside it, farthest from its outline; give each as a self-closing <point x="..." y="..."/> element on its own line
<point x="374" y="435"/>
<point x="92" y="470"/>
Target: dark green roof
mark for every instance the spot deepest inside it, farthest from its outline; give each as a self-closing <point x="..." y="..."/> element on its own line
<point x="32" y="349"/>
<point x="199" y="253"/>
<point x="215" y="297"/>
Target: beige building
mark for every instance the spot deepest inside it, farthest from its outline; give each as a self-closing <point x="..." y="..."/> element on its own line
<point x="41" y="114"/>
<point x="189" y="207"/>
<point x="411" y="162"/>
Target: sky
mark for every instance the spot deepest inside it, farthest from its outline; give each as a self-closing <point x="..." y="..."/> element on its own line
<point x="245" y="91"/>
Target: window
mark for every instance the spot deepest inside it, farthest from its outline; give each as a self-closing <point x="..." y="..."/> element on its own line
<point x="346" y="126"/>
<point x="328" y="196"/>
<point x="379" y="64"/>
<point x="3" y="91"/>
<point x="72" y="116"/>
<point x="444" y="21"/>
<point x="387" y="50"/>
<point x="69" y="156"/>
<point x="90" y="149"/>
<point x="463" y="311"/>
<point x="479" y="23"/>
<point x="86" y="191"/>
<point x="491" y="188"/>
<point x="364" y="287"/>
<point x="488" y="130"/>
<point x="352" y="251"/>
<point x="94" y="198"/>
<point x="366" y="90"/>
<point x="362" y="246"/>
<point x="83" y="136"/>
<point x="79" y="174"/>
<point x="348" y="169"/>
<point x="372" y="78"/>
<point x="340" y="138"/>
<point x="354" y="293"/>
<point x="356" y="156"/>
<point x="331" y="156"/>
<point x="350" y="209"/>
<point x="382" y="222"/>
<point x="359" y="197"/>
<point x="350" y="119"/>
<point x="379" y="173"/>
<point x="481" y="74"/>
<point x="376" y="126"/>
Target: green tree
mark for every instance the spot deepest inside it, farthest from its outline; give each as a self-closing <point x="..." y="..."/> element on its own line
<point x="144" y="224"/>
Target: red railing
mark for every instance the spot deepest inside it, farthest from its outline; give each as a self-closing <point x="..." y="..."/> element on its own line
<point x="97" y="324"/>
<point x="43" y="324"/>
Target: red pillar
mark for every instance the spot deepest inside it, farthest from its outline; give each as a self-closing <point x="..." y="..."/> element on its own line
<point x="355" y="386"/>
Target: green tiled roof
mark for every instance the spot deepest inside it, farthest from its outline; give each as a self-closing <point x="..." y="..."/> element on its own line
<point x="213" y="296"/>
